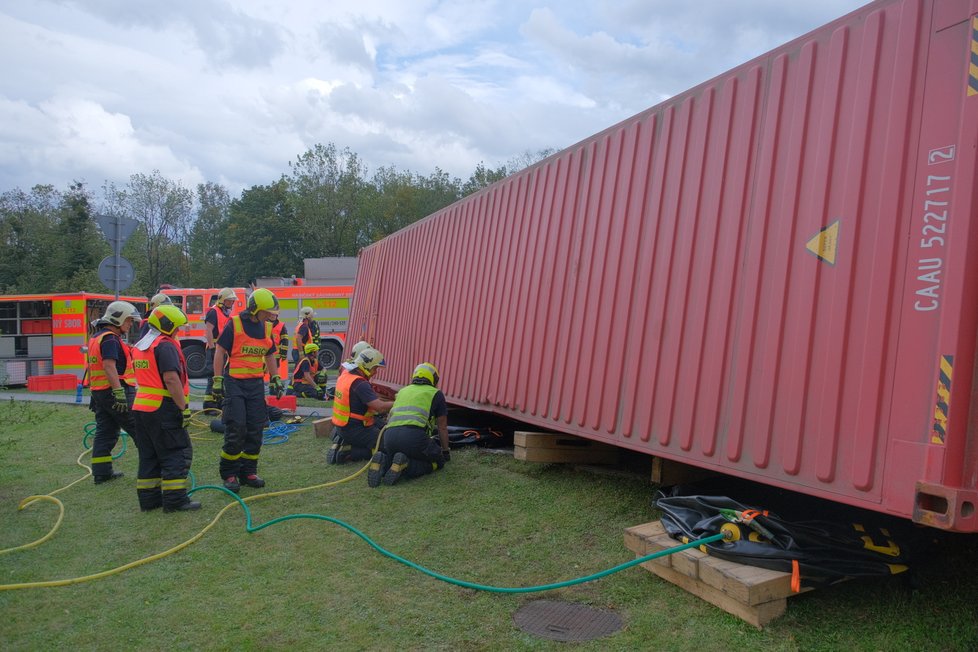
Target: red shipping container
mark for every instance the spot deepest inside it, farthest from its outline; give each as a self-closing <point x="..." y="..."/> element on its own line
<point x="773" y="275"/>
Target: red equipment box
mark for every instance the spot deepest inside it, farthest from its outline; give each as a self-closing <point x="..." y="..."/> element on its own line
<point x="51" y="383"/>
<point x="284" y="403"/>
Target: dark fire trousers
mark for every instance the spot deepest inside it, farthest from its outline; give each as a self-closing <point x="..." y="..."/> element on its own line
<point x="108" y="423"/>
<point x="424" y="452"/>
<point x="165" y="454"/>
<point x="245" y="417"/>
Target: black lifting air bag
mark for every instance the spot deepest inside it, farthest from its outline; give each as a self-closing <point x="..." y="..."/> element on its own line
<point x="825" y="551"/>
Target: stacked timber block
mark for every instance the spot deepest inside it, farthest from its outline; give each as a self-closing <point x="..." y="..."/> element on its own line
<point x="756" y="595"/>
<point x="323" y="427"/>
<point x="559" y="448"/>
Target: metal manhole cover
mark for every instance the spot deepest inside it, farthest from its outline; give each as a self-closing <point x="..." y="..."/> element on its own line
<point x="566" y="621"/>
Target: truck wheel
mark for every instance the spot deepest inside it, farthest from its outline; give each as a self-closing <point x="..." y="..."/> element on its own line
<point x="329" y="355"/>
<point x="196" y="358"/>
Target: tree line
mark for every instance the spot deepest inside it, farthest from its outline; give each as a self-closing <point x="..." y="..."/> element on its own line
<point x="327" y="205"/>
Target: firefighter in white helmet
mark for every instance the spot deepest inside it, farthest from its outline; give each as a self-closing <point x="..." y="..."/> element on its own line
<point x="215" y="319"/>
<point x="159" y="299"/>
<point x="355" y="408"/>
<point x="306" y="332"/>
<point x="113" y="385"/>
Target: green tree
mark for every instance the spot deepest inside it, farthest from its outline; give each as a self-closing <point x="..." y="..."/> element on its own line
<point x="262" y="237"/>
<point x="81" y="245"/>
<point x="164" y="211"/>
<point x="29" y="239"/>
<point x="330" y="194"/>
<point x="206" y="236"/>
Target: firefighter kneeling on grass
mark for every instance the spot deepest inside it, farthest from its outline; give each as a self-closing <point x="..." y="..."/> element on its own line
<point x="113" y="385"/>
<point x="162" y="413"/>
<point x="307" y="380"/>
<point x="354" y="407"/>
<point x="416" y="436"/>
<point x="247" y="346"/>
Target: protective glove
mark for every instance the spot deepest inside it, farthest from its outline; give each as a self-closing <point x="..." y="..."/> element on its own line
<point x="321" y="377"/>
<point x="447" y="455"/>
<point x="217" y="390"/>
<point x="119" y="403"/>
<point x="186" y="417"/>
<point x="283" y="350"/>
<point x="275" y="386"/>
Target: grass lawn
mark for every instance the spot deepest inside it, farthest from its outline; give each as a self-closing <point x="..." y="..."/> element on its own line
<point x="307" y="584"/>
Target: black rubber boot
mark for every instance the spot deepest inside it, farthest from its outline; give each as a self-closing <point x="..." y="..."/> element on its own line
<point x="252" y="480"/>
<point x="377" y="469"/>
<point x="231" y="484"/>
<point x="99" y="479"/>
<point x="398" y="465"/>
<point x="188" y="506"/>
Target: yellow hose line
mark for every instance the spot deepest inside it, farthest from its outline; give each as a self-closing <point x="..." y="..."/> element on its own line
<point x="30" y="500"/>
<point x="176" y="548"/>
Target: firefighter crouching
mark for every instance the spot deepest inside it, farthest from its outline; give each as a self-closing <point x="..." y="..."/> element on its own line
<point x="355" y="406"/>
<point x="112" y="383"/>
<point x="307" y="380"/>
<point x="162" y="414"/>
<point x="247" y="347"/>
<point x="416" y="436"/>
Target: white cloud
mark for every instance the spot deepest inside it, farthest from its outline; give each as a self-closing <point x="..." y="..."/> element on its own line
<point x="232" y="91"/>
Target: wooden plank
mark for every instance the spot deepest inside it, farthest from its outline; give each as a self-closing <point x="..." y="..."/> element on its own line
<point x="323" y="427"/>
<point x="556" y="440"/>
<point x="667" y="472"/>
<point x="757" y="595"/>
<point x="566" y="456"/>
<point x="748" y="584"/>
<point x="757" y="615"/>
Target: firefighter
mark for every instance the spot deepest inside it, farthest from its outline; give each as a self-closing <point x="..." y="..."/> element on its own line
<point x="355" y="406"/>
<point x="306" y="332"/>
<point x="113" y="385"/>
<point x="416" y="436"/>
<point x="350" y="365"/>
<point x="215" y="320"/>
<point x="162" y="415"/>
<point x="280" y="334"/>
<point x="308" y="380"/>
<point x="244" y="351"/>
<point x="158" y="300"/>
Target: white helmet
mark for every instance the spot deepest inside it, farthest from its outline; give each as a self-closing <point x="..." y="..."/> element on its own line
<point x="307" y="311"/>
<point x="157" y="301"/>
<point x="225" y="294"/>
<point x="359" y="346"/>
<point x="368" y="360"/>
<point x="117" y="312"/>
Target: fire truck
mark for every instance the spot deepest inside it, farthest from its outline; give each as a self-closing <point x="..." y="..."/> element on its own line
<point x="331" y="303"/>
<point x="45" y="334"/>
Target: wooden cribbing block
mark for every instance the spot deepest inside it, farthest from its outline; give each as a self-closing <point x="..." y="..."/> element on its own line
<point x="756" y="595"/>
<point x="557" y="447"/>
<point x="667" y="472"/>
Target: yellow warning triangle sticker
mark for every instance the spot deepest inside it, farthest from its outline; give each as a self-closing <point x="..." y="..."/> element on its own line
<point x="824" y="243"/>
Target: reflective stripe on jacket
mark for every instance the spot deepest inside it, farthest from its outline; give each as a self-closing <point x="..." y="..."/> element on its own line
<point x="412" y="407"/>
<point x="341" y="401"/>
<point x="246" y="359"/>
<point x="96" y="372"/>
<point x="152" y="390"/>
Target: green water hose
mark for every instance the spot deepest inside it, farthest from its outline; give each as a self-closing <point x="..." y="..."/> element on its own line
<point x="451" y="580"/>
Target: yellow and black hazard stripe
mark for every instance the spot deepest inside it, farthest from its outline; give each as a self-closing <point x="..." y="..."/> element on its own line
<point x="973" y="68"/>
<point x="939" y="433"/>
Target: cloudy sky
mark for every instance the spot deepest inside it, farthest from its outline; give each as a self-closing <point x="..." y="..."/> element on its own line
<point x="231" y="91"/>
